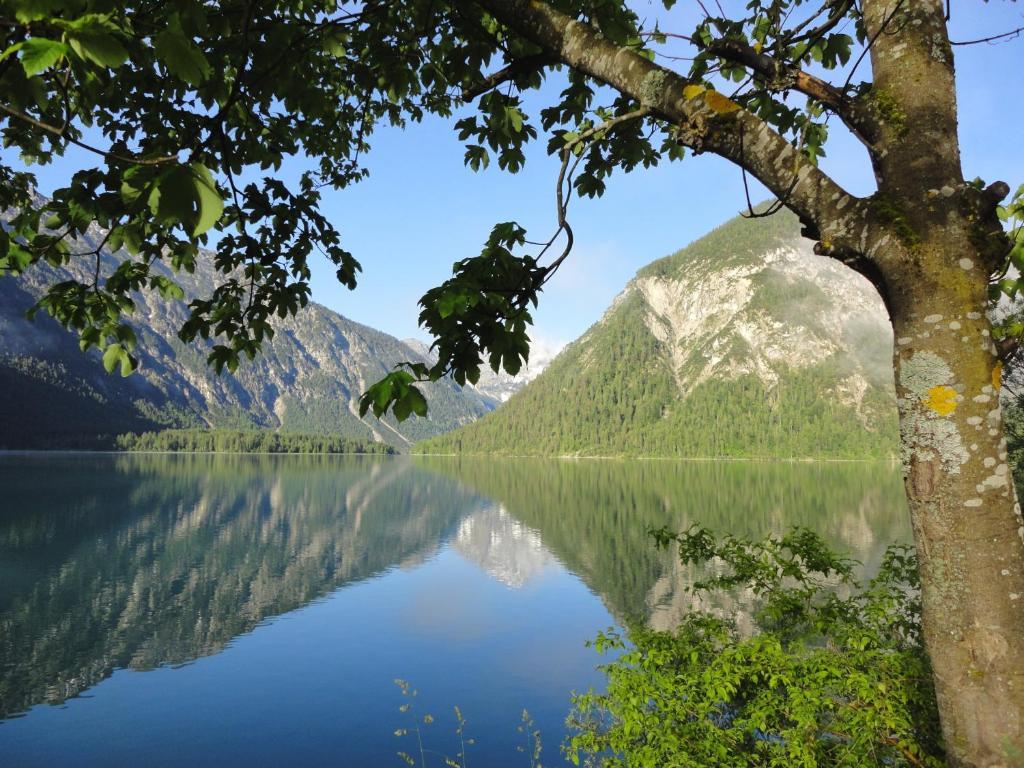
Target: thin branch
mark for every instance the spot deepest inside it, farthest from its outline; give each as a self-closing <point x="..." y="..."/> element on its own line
<point x="1004" y="36"/>
<point x="836" y="14"/>
<point x="780" y="202"/>
<point x="518" y="67"/>
<point x="871" y="42"/>
<point x="61" y="133"/>
<point x="561" y="199"/>
<point x="782" y="76"/>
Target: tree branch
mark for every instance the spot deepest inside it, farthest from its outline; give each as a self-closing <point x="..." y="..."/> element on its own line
<point x="783" y="76"/>
<point x="61" y="133"/>
<point x="518" y="67"/>
<point x="562" y="191"/>
<point x="991" y="39"/>
<point x="837" y="11"/>
<point x="706" y="120"/>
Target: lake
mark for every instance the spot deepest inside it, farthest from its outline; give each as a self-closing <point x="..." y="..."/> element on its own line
<point x="253" y="610"/>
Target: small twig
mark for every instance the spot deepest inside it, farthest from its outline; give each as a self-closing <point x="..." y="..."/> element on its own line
<point x="561" y="197"/>
<point x="779" y="203"/>
<point x="1004" y="36"/>
<point x="836" y="14"/>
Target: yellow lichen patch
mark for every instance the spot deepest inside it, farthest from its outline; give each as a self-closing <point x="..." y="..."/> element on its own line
<point x="997" y="376"/>
<point x="719" y="103"/>
<point x="941" y="399"/>
<point x="693" y="90"/>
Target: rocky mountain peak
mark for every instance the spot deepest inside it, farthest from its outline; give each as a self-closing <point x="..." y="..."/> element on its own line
<point x="744" y="343"/>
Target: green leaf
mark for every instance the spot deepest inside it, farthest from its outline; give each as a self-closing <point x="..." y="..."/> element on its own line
<point x="39" y="54"/>
<point x="211" y="205"/>
<point x="111" y="357"/>
<point x="515" y="118"/>
<point x="417" y="402"/>
<point x="93" y="38"/>
<point x="34" y="10"/>
<point x="173" y="199"/>
<point x="181" y="56"/>
<point x="402" y="409"/>
<point x="167" y="287"/>
<point x="128" y="365"/>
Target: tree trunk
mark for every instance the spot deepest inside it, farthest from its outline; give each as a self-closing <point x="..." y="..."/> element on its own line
<point x="966" y="519"/>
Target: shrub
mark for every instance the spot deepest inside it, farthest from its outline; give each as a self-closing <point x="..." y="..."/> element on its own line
<point x="834" y="674"/>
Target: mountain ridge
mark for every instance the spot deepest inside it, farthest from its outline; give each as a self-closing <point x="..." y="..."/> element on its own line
<point x="742" y="344"/>
<point x="307" y="379"/>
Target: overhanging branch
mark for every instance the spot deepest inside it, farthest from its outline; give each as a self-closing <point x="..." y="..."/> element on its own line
<point x="706" y="121"/>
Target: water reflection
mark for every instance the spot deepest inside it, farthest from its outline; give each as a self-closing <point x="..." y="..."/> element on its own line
<point x="111" y="562"/>
<point x="502" y="546"/>
<point x="140" y="561"/>
<point x="594" y="515"/>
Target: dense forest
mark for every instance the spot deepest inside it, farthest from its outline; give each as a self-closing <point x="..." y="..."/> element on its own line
<point x="305" y="381"/>
<point x="245" y="441"/>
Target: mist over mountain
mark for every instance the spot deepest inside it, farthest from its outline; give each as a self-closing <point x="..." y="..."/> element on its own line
<point x="744" y="343"/>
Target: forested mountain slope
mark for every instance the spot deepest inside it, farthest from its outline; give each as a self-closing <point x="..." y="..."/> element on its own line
<point x="308" y="378"/>
<point x="742" y="344"/>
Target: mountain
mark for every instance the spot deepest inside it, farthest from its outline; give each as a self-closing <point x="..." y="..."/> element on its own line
<point x="308" y="378"/>
<point x="743" y="344"/>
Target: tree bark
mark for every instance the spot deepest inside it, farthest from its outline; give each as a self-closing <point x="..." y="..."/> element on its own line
<point x="966" y="520"/>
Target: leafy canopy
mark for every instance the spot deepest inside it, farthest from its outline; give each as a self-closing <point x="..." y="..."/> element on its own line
<point x="189" y="108"/>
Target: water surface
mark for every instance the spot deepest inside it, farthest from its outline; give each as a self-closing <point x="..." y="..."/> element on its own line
<point x="222" y="610"/>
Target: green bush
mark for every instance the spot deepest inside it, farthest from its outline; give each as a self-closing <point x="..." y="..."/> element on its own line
<point x="834" y="673"/>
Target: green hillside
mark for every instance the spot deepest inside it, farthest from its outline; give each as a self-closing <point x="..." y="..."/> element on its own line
<point x="743" y="344"/>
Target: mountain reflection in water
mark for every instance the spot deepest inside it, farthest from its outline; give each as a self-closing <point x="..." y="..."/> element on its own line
<point x="140" y="561"/>
<point x="148" y="560"/>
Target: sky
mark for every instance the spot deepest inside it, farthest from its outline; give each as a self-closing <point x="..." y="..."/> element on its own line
<point x="421" y="209"/>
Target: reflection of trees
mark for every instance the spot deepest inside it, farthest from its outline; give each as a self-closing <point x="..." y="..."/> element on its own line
<point x="594" y="514"/>
<point x="135" y="561"/>
<point x="143" y="560"/>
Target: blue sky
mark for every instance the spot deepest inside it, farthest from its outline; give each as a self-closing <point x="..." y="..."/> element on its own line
<point x="421" y="210"/>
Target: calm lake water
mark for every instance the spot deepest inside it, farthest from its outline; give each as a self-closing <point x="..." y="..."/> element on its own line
<point x="238" y="610"/>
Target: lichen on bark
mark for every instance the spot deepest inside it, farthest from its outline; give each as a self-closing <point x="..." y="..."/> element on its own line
<point x="927" y="404"/>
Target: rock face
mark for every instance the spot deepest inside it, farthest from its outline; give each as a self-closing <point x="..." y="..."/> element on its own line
<point x="742" y="344"/>
<point x="308" y="378"/>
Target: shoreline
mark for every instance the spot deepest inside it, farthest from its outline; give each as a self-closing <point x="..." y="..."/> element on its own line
<point x="496" y="456"/>
<point x="760" y="459"/>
